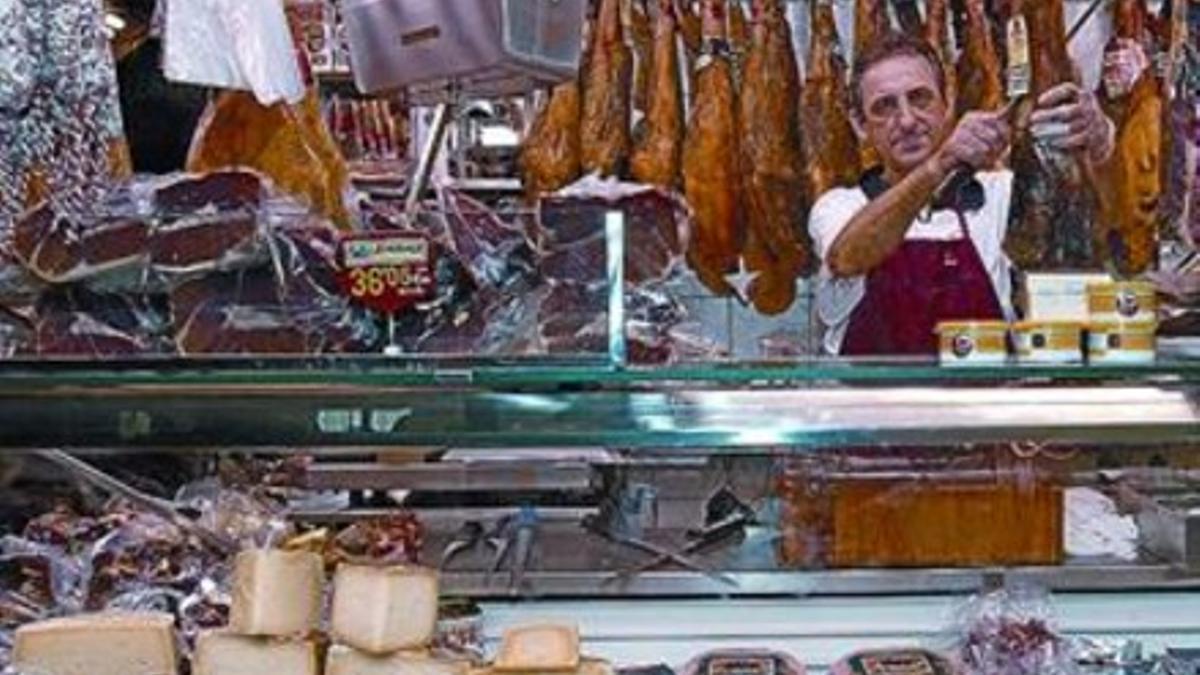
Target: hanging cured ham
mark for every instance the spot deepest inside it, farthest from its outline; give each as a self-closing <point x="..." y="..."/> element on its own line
<point x="1132" y="181"/>
<point x="549" y="159"/>
<point x="870" y="24"/>
<point x="979" y="74"/>
<point x="690" y="29"/>
<point x="711" y="166"/>
<point x="831" y="148"/>
<point x="937" y="34"/>
<point x="657" y="154"/>
<point x="607" y="83"/>
<point x="1053" y="200"/>
<point x="288" y="143"/>
<point x="773" y="163"/>
<point x="641" y="35"/>
<point x="739" y="28"/>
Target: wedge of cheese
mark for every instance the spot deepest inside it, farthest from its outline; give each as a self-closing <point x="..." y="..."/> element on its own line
<point x="223" y="653"/>
<point x="539" y="647"/>
<point x="97" y="644"/>
<point x="343" y="660"/>
<point x="276" y="593"/>
<point x="381" y="610"/>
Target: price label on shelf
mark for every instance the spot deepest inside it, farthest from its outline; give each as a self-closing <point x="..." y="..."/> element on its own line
<point x="386" y="271"/>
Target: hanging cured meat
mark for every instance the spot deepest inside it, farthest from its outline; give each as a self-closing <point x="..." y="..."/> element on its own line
<point x="1132" y="181"/>
<point x="870" y="24"/>
<point x="980" y="81"/>
<point x="656" y="156"/>
<point x="641" y="34"/>
<point x="711" y="166"/>
<point x="288" y="143"/>
<point x="1053" y="200"/>
<point x="689" y="27"/>
<point x="937" y="34"/>
<point x="831" y="148"/>
<point x="607" y="86"/>
<point x="550" y="154"/>
<point x="773" y="164"/>
<point x="739" y="28"/>
<point x="549" y="158"/>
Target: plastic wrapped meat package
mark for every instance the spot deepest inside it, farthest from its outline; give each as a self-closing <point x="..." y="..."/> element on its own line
<point x="123" y="558"/>
<point x="1011" y="632"/>
<point x="217" y="263"/>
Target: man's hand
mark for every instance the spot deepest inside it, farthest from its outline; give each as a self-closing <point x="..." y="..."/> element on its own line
<point x="978" y="141"/>
<point x="1070" y="120"/>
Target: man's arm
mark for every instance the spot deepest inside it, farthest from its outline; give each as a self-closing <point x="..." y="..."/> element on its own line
<point x="876" y="231"/>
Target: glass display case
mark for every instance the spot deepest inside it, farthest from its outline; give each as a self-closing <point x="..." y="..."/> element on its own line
<point x="813" y="507"/>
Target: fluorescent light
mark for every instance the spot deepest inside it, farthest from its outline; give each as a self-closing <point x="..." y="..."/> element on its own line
<point x="115" y="22"/>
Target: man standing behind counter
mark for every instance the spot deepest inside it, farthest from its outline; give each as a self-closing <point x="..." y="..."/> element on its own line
<point x="895" y="264"/>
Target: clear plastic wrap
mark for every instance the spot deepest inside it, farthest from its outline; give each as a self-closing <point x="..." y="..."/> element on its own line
<point x="233" y="44"/>
<point x="217" y="263"/>
<point x="247" y="519"/>
<point x="1011" y="631"/>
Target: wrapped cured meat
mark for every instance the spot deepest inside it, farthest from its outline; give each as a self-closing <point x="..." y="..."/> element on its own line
<point x="831" y="148"/>
<point x="772" y="159"/>
<point x="208" y="222"/>
<point x="58" y="249"/>
<point x="980" y="85"/>
<point x="711" y="161"/>
<point x="73" y="321"/>
<point x="606" y="87"/>
<point x="657" y="154"/>
<point x="260" y="311"/>
<point x="573" y="245"/>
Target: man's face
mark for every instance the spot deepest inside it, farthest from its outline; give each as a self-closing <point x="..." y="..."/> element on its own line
<point x="904" y="114"/>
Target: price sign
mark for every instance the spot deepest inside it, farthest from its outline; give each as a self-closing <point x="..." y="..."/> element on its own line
<point x="386" y="271"/>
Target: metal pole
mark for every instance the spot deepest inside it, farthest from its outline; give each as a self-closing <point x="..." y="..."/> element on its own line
<point x="429" y="153"/>
<point x="614" y="233"/>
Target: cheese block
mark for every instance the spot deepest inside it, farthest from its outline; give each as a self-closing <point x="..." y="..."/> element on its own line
<point x="539" y="647"/>
<point x="223" y="653"/>
<point x="276" y="593"/>
<point x="97" y="644"/>
<point x="343" y="660"/>
<point x="384" y="609"/>
<point x="587" y="666"/>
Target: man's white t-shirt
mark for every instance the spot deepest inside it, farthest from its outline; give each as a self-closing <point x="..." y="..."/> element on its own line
<point x="836" y="298"/>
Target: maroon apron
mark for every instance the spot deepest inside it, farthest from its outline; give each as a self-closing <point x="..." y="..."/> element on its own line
<point x="919" y="285"/>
